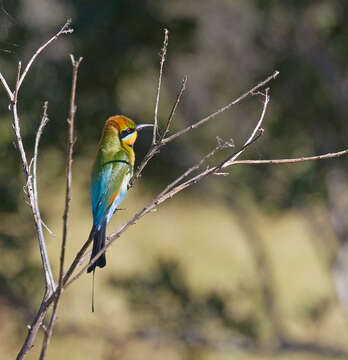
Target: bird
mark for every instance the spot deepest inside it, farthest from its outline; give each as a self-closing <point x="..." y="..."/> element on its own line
<point x="112" y="170"/>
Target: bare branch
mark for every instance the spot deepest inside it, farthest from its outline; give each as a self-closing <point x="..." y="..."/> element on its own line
<point x="7" y="88"/>
<point x="291" y="160"/>
<point x="64" y="30"/>
<point x="163" y="58"/>
<point x="69" y="160"/>
<point x="223" y="109"/>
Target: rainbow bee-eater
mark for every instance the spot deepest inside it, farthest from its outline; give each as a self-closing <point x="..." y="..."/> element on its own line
<point x="112" y="170"/>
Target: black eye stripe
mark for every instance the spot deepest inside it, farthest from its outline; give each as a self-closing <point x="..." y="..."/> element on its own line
<point x="126" y="132"/>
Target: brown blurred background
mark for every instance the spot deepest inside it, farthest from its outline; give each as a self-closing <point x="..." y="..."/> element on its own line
<point x="249" y="266"/>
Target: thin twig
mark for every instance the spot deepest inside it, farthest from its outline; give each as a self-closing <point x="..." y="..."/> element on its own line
<point x="43" y="123"/>
<point x="47" y="228"/>
<point x="77" y="258"/>
<point x="7" y="88"/>
<point x="64" y="30"/>
<point x="71" y="122"/>
<point x="291" y="161"/>
<point x="69" y="160"/>
<point x="172" y="112"/>
<point x="17" y="129"/>
<point x="223" y="109"/>
<point x="163" y="58"/>
<point x="15" y="94"/>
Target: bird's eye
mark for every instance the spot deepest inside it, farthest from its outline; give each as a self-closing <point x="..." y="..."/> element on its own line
<point x="126" y="132"/>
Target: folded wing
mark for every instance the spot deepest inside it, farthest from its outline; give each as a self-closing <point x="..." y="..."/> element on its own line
<point x="108" y="189"/>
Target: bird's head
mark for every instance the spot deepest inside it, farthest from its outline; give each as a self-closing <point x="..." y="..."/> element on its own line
<point x="126" y="128"/>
